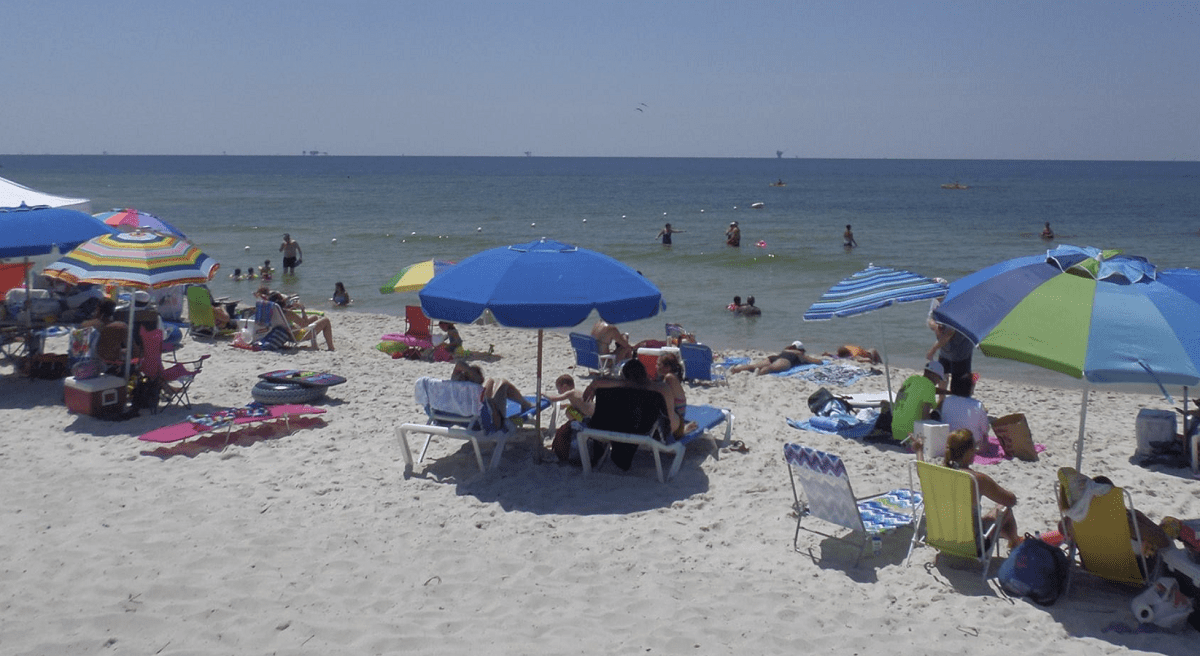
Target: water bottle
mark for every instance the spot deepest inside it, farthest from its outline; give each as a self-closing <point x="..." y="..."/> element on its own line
<point x="876" y="545"/>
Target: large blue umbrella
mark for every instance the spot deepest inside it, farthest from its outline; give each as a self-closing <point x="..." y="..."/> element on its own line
<point x="542" y="284"/>
<point x="1098" y="315"/>
<point x="27" y="231"/>
<point x="871" y="289"/>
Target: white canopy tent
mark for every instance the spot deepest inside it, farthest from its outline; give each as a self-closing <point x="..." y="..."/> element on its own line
<point x="13" y="195"/>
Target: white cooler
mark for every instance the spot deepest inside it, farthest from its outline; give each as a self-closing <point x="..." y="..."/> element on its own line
<point x="934" y="435"/>
<point x="1154" y="426"/>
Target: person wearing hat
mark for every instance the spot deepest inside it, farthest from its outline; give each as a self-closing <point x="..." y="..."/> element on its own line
<point x="792" y="355"/>
<point x="916" y="399"/>
<point x="733" y="236"/>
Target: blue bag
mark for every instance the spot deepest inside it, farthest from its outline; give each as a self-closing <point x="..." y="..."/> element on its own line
<point x="1035" y="570"/>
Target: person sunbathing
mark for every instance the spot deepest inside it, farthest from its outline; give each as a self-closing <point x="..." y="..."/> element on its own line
<point x="610" y="339"/>
<point x="856" y="352"/>
<point x="792" y="355"/>
<point x="496" y="391"/>
<point x="300" y="322"/>
<point x="960" y="453"/>
<point x="670" y="372"/>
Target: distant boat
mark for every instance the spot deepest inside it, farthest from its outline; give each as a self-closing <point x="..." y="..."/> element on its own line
<point x="954" y="185"/>
<point x="779" y="183"/>
<point x="756" y="206"/>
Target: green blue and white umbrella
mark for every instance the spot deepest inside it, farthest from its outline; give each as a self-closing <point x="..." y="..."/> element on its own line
<point x="1093" y="314"/>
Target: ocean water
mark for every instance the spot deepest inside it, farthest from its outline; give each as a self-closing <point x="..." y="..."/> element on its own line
<point x="387" y="212"/>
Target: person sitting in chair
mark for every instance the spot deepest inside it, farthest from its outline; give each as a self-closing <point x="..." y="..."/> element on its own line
<point x="960" y="453"/>
<point x="302" y="323"/>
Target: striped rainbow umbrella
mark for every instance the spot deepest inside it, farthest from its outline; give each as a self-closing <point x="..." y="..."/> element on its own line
<point x="130" y="220"/>
<point x="138" y="260"/>
<point x="141" y="260"/>
<point x="871" y="289"/>
<point x="414" y="277"/>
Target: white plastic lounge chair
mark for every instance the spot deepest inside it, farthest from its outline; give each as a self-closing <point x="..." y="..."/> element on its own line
<point x="456" y="409"/>
<point x="828" y="496"/>
<point x="626" y="419"/>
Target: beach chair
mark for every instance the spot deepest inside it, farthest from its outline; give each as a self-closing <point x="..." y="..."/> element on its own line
<point x="1097" y="527"/>
<point x="201" y="321"/>
<point x="268" y="316"/>
<point x="587" y="354"/>
<point x="173" y="381"/>
<point x="456" y="409"/>
<point x="828" y="496"/>
<point x="416" y="323"/>
<point x="698" y="363"/>
<point x="625" y="419"/>
<point x="707" y="417"/>
<point x="952" y="519"/>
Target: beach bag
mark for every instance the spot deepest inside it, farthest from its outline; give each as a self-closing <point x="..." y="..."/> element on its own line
<point x="823" y="403"/>
<point x="1015" y="438"/>
<point x="145" y="393"/>
<point x="87" y="368"/>
<point x="274" y="340"/>
<point x="1034" y="570"/>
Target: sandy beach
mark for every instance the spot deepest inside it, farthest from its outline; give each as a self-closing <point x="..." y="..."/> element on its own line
<point x="316" y="542"/>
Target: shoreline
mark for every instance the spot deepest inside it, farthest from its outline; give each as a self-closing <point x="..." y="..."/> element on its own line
<point x="318" y="542"/>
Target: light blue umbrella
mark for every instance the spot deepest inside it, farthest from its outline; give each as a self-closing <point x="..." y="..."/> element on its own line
<point x="871" y="289"/>
<point x="542" y="284"/>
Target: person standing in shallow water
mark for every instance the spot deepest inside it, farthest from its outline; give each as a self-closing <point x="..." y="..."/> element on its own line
<point x="848" y="238"/>
<point x="665" y="234"/>
<point x="291" y="254"/>
<point x="733" y="236"/>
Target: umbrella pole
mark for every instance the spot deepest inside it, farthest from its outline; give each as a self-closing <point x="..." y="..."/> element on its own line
<point x="129" y="337"/>
<point x="1082" y="422"/>
<point x="887" y="372"/>
<point x="537" y="401"/>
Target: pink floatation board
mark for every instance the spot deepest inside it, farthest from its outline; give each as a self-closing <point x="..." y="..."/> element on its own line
<point x="184" y="430"/>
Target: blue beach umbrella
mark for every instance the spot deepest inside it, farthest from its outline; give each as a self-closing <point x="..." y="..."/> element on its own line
<point x="542" y="284"/>
<point x="871" y="289"/>
<point x="27" y="231"/>
<point x="1093" y="314"/>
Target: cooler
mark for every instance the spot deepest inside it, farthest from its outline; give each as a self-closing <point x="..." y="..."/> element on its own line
<point x="1154" y="426"/>
<point x="102" y="395"/>
<point x="649" y="358"/>
<point x="934" y="434"/>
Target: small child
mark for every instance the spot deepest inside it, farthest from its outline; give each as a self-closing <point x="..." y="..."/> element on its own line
<point x="250" y="273"/>
<point x="578" y="411"/>
<point x="236" y="275"/>
<point x="341" y="297"/>
<point x="265" y="272"/>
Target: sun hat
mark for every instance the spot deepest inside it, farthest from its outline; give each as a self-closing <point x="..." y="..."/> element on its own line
<point x="937" y="368"/>
<point x="733" y="223"/>
<point x="798" y="345"/>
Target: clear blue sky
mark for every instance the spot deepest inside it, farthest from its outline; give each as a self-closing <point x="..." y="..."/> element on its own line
<point x="1061" y="79"/>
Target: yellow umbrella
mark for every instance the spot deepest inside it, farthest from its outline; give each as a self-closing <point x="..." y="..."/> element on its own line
<point x="415" y="276"/>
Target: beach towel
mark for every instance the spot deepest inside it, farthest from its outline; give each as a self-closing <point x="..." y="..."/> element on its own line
<point x="991" y="452"/>
<point x="830" y="373"/>
<point x="854" y="427"/>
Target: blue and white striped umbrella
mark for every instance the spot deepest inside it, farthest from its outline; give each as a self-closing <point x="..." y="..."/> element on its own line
<point x="871" y="289"/>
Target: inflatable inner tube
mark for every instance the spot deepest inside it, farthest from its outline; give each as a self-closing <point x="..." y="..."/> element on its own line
<point x="281" y="393"/>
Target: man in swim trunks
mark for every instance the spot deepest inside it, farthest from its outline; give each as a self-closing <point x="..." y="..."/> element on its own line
<point x="848" y="238"/>
<point x="916" y="399"/>
<point x="291" y="254"/>
<point x="792" y="355"/>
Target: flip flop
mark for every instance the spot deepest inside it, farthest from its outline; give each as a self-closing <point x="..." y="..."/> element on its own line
<point x="739" y="446"/>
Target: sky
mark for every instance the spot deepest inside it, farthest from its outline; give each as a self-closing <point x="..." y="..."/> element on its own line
<point x="1066" y="79"/>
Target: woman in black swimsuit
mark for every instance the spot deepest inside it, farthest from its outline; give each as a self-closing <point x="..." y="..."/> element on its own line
<point x="792" y="355"/>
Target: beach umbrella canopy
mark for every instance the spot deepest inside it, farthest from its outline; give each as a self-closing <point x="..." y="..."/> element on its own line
<point x="129" y="220"/>
<point x="137" y="260"/>
<point x="871" y="289"/>
<point x="415" y="276"/>
<point x="541" y="284"/>
<point x="1093" y="314"/>
<point x="28" y="231"/>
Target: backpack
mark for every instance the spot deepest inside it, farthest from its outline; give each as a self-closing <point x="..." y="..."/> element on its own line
<point x="823" y="403"/>
<point x="1035" y="570"/>
<point x="274" y="340"/>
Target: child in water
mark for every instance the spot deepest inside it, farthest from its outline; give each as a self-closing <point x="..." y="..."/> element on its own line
<point x="236" y="275"/>
<point x="250" y="274"/>
<point x="340" y="295"/>
<point x="265" y="272"/>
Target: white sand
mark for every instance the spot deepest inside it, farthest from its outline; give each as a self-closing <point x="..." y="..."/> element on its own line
<point x="317" y="543"/>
